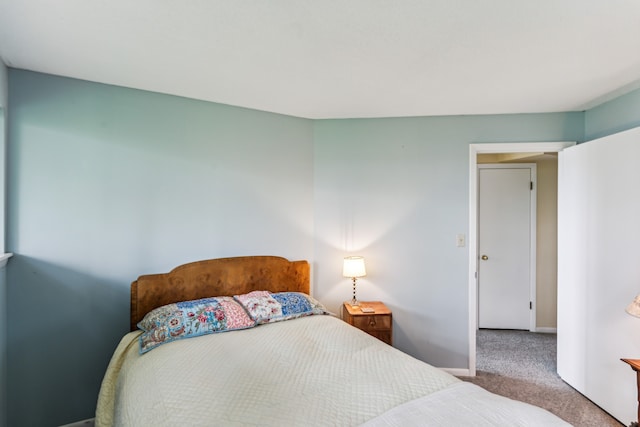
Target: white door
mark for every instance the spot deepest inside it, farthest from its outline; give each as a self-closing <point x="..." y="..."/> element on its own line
<point x="506" y="213"/>
<point x="599" y="269"/>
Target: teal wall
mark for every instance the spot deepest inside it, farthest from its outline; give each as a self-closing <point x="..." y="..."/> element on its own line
<point x="397" y="192"/>
<point x="106" y="184"/>
<point x="4" y="85"/>
<point x="620" y="114"/>
<point x="3" y="285"/>
<point x="3" y="348"/>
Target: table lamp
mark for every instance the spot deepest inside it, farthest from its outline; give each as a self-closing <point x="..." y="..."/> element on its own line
<point x="354" y="267"/>
<point x="634" y="308"/>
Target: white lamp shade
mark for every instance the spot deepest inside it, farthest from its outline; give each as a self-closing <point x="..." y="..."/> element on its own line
<point x="634" y="308"/>
<point x="354" y="267"/>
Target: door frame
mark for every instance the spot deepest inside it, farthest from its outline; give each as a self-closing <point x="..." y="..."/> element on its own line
<point x="532" y="233"/>
<point x="474" y="150"/>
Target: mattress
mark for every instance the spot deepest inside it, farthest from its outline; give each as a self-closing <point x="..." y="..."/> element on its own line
<point x="311" y="371"/>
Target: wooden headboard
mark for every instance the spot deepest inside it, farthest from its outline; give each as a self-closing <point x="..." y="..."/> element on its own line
<point x="217" y="277"/>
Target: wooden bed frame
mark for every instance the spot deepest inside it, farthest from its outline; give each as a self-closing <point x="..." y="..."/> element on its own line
<point x="216" y="277"/>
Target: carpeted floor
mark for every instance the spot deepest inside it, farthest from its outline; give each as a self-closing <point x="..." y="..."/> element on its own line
<point x="522" y="365"/>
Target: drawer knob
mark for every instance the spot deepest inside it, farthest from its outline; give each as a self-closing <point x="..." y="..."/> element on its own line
<point x="372" y="322"/>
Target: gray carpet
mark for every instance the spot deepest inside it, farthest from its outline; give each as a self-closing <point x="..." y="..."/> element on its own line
<point x="522" y="366"/>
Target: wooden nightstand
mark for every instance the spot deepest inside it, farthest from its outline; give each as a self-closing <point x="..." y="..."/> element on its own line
<point x="379" y="323"/>
<point x="635" y="365"/>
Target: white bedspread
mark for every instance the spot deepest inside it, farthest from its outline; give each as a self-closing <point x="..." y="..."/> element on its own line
<point x="463" y="404"/>
<point x="311" y="371"/>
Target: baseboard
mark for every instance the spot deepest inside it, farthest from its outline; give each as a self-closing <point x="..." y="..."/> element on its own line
<point x="84" y="423"/>
<point x="457" y="372"/>
<point x="547" y="330"/>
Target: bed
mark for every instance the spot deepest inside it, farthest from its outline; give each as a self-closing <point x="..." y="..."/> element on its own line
<point x="292" y="363"/>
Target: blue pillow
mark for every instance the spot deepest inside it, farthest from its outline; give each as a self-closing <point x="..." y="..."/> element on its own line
<point x="191" y="319"/>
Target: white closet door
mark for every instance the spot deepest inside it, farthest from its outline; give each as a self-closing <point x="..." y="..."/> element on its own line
<point x="599" y="269"/>
<point x="573" y="182"/>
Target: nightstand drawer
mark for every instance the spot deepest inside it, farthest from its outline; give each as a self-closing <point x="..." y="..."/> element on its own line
<point x="381" y="335"/>
<point x="372" y="323"/>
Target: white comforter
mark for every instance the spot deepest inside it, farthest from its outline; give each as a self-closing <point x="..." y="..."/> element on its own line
<point x="311" y="371"/>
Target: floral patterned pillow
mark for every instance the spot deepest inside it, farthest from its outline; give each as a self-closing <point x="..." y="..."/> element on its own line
<point x="267" y="307"/>
<point x="191" y="319"/>
<point x="260" y="305"/>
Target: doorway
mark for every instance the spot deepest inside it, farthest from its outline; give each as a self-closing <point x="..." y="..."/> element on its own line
<point x="474" y="151"/>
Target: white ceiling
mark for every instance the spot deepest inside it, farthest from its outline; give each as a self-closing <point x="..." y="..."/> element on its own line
<point x="339" y="58"/>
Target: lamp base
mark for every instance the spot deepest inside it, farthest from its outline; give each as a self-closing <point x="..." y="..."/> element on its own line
<point x="354" y="302"/>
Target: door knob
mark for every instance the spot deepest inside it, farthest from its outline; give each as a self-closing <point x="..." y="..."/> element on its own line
<point x="484" y="257"/>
